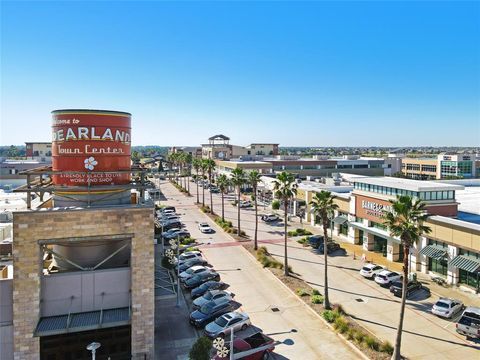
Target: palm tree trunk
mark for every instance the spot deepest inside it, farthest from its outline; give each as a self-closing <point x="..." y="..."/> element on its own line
<point x="196" y="180"/>
<point x="203" y="190"/>
<point x="285" y="269"/>
<point x="398" y="340"/>
<point x="188" y="181"/>
<point x="238" y="212"/>
<point x="211" y="196"/>
<point x="256" y="222"/>
<point x="223" y="211"/>
<point x="326" y="299"/>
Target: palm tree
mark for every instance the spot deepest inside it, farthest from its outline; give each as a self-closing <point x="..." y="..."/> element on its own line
<point x="254" y="178"/>
<point x="405" y="221"/>
<point x="285" y="189"/>
<point x="188" y="162"/>
<point x="238" y="179"/>
<point x="222" y="183"/>
<point x="203" y="168"/>
<point x="197" y="163"/>
<point x="210" y="165"/>
<point x="322" y="205"/>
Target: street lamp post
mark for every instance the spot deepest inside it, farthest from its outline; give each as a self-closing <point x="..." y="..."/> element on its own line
<point x="93" y="348"/>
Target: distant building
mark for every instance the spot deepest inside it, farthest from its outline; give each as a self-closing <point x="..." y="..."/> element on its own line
<point x="444" y="166"/>
<point x="219" y="147"/>
<point x="195" y="151"/>
<point x="41" y="151"/>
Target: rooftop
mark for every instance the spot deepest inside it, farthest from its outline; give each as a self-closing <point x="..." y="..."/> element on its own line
<point x="408" y="184"/>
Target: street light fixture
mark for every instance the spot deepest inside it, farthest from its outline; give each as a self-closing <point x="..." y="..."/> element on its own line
<point x="93" y="348"/>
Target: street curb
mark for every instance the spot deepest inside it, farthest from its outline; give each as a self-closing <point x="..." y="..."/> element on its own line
<point x="353" y="347"/>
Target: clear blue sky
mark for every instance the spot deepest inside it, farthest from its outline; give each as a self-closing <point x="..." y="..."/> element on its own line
<point x="314" y="73"/>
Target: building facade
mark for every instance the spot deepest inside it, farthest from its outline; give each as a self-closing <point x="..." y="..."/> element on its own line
<point x="38" y="151"/>
<point x="451" y="250"/>
<point x="444" y="166"/>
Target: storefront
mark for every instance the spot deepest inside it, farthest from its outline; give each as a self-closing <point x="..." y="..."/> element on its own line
<point x="468" y="265"/>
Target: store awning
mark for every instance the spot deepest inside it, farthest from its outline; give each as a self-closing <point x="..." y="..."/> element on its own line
<point x="434" y="252"/>
<point x="340" y="220"/>
<point x="466" y="263"/>
<point x="91" y="320"/>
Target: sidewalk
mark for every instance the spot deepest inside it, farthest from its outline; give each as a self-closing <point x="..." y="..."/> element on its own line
<point x="448" y="291"/>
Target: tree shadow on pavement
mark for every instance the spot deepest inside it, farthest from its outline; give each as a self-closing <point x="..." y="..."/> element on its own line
<point x="416" y="333"/>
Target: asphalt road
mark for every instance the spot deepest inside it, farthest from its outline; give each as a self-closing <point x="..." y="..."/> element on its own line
<point x="425" y="337"/>
<point x="303" y="335"/>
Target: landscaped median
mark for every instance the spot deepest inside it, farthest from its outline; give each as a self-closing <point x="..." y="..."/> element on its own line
<point x="226" y="226"/>
<point x="336" y="318"/>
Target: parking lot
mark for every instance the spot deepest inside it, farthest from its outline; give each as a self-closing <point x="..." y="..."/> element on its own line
<point x="426" y="336"/>
<point x="270" y="305"/>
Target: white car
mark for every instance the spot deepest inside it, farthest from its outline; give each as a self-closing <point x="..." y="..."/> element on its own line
<point x="446" y="308"/>
<point x="270" y="217"/>
<point x="192" y="271"/>
<point x="190" y="255"/>
<point x="387" y="277"/>
<point x="245" y="204"/>
<point x="222" y="325"/>
<point x="371" y="270"/>
<point x="205" y="228"/>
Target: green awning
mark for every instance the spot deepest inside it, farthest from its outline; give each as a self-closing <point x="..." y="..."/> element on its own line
<point x="340" y="220"/>
<point x="466" y="263"/>
<point x="434" y="252"/>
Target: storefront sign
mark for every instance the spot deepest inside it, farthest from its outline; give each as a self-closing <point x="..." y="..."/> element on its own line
<point x="371" y="209"/>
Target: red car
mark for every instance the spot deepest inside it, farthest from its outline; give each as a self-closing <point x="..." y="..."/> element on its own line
<point x="245" y="340"/>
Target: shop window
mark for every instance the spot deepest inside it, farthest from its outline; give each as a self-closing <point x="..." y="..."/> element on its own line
<point x="438" y="266"/>
<point x="470" y="279"/>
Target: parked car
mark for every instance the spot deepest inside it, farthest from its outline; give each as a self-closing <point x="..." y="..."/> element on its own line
<point x="369" y="271"/>
<point x="222" y="326"/>
<point x="249" y="339"/>
<point x="315" y="240"/>
<point x="170" y="231"/>
<point x="169" y="217"/>
<point x="178" y="233"/>
<point x="214" y="190"/>
<point x="412" y="286"/>
<point x="209" y="285"/>
<point x="199" y="279"/>
<point x="331" y="247"/>
<point x="212" y="295"/>
<point x="469" y="323"/>
<point x="167" y="209"/>
<point x="205" y="228"/>
<point x="387" y="277"/>
<point x="270" y="217"/>
<point x="184" y="265"/>
<point x="447" y="308"/>
<point x="190" y="255"/>
<point x="191" y="271"/>
<point x="210" y="311"/>
<point x="167" y="225"/>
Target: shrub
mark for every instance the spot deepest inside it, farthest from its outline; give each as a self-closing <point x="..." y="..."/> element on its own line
<point x="338" y="308"/>
<point x="330" y="315"/>
<point x="275" y="205"/>
<point x="302" y="292"/>
<point x="303" y="241"/>
<point x="205" y="209"/>
<point x="371" y="342"/>
<point x="315" y="292"/>
<point x="201" y="349"/>
<point x="291" y="233"/>
<point x="166" y="264"/>
<point x="341" y="324"/>
<point x="187" y="241"/>
<point x="316" y="299"/>
<point x="359" y="336"/>
<point x="386" y="347"/>
<point x="351" y="333"/>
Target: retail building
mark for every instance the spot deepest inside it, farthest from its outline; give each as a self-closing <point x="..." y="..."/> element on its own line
<point x="451" y="250"/>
